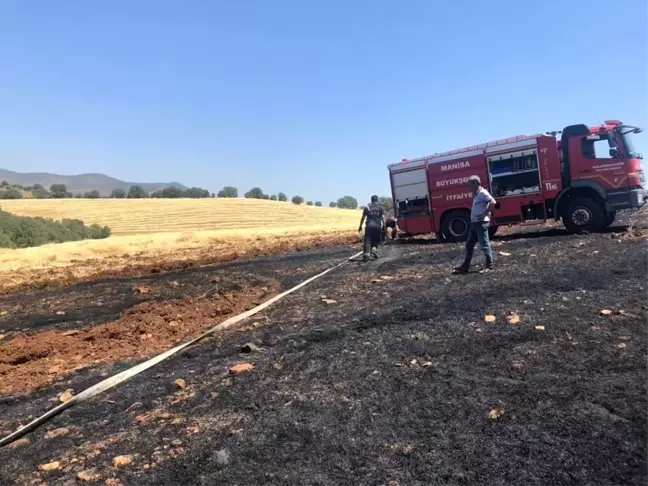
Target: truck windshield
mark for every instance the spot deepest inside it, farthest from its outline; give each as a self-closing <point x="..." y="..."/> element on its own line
<point x="626" y="135"/>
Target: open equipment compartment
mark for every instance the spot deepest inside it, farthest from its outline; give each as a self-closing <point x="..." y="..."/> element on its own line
<point x="514" y="174"/>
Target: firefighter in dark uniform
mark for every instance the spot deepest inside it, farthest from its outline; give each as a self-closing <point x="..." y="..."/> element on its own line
<point x="375" y="216"/>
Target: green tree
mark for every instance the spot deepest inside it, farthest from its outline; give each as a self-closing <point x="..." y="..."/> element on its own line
<point x="59" y="191"/>
<point x="196" y="193"/>
<point x="347" y="202"/>
<point x="332" y="204"/>
<point x="136" y="192"/>
<point x="94" y="194"/>
<point x="11" y="193"/>
<point x="388" y="205"/>
<point x="298" y="200"/>
<point x="273" y="197"/>
<point x="5" y="184"/>
<point x="228" y="191"/>
<point x="282" y="197"/>
<point x="39" y="192"/>
<point x="309" y="203"/>
<point x="118" y="193"/>
<point x="255" y="193"/>
<point x="318" y="204"/>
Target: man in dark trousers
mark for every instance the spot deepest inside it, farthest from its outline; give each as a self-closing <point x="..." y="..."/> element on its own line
<point x="483" y="205"/>
<point x="375" y="216"/>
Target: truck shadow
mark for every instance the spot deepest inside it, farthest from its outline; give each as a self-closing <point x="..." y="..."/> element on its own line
<point x="519" y="235"/>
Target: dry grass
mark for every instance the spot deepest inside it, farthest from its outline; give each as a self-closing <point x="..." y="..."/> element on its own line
<point x="165" y="233"/>
<point x="137" y="216"/>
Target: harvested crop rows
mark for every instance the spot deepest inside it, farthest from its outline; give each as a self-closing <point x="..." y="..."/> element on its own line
<point x="137" y="216"/>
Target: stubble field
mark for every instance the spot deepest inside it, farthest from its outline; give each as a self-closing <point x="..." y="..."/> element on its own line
<point x="164" y="234"/>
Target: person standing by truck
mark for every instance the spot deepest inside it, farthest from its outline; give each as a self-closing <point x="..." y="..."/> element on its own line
<point x="483" y="204"/>
<point x="375" y="216"/>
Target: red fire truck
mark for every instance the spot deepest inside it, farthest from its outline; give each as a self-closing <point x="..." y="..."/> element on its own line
<point x="584" y="177"/>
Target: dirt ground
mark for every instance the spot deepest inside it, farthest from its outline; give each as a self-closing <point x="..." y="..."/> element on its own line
<point x="399" y="377"/>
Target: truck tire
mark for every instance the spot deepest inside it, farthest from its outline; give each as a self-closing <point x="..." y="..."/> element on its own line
<point x="609" y="219"/>
<point x="456" y="225"/>
<point x="583" y="214"/>
<point x="492" y="230"/>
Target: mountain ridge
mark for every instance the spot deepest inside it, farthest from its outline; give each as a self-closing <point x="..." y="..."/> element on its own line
<point x="80" y="183"/>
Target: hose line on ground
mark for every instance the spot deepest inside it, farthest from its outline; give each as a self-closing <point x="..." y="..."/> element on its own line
<point x="104" y="385"/>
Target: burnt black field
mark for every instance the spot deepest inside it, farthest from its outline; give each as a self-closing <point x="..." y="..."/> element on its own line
<point x="401" y="379"/>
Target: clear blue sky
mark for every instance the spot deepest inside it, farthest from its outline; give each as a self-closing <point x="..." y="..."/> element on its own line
<point x="308" y="97"/>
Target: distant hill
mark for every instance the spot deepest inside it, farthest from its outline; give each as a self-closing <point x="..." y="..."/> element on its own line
<point x="80" y="183"/>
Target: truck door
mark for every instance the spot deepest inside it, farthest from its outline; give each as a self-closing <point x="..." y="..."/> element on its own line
<point x="595" y="160"/>
<point x="411" y="198"/>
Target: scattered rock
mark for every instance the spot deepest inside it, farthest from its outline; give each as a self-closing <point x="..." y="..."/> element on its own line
<point x="622" y="345"/>
<point x="175" y="283"/>
<point x="495" y="413"/>
<point x="19" y="443"/>
<point x="393" y="483"/>
<point x="176" y="442"/>
<point x="173" y="323"/>
<point x="250" y="348"/>
<point x="2" y="337"/>
<point x="180" y="383"/>
<point x="66" y="395"/>
<point x="60" y="313"/>
<point x="50" y="466"/>
<point x="277" y="366"/>
<point x="71" y="333"/>
<point x="122" y="461"/>
<point x="4" y="313"/>
<point x="504" y="253"/>
<point x="490" y="318"/>
<point x="222" y="457"/>
<point x="329" y="301"/>
<point x="140" y="289"/>
<point x="113" y="482"/>
<point x="60" y="432"/>
<point x="606" y="312"/>
<point x="240" y="368"/>
<point x="427" y="364"/>
<point x="413" y="362"/>
<point x="513" y="318"/>
<point x="539" y="328"/>
<point x="88" y="475"/>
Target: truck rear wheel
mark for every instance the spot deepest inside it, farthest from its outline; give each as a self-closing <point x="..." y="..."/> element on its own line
<point x="583" y="214"/>
<point x="609" y="219"/>
<point x="456" y="226"/>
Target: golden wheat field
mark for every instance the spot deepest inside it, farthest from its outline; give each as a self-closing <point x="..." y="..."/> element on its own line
<point x="168" y="233"/>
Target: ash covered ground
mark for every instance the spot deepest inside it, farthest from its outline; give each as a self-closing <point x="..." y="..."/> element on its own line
<point x="379" y="372"/>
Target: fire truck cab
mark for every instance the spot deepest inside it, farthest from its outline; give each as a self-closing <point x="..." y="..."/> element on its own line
<point x="583" y="177"/>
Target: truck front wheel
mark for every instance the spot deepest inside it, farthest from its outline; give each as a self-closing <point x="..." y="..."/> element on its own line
<point x="456" y="226"/>
<point x="583" y="214"/>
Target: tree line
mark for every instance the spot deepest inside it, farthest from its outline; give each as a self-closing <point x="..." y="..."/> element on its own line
<point x="60" y="191"/>
<point x="26" y="231"/>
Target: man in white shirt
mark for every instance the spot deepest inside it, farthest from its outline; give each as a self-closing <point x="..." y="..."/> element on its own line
<point x="483" y="204"/>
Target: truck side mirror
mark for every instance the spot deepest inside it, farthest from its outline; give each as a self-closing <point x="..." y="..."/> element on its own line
<point x="614" y="153"/>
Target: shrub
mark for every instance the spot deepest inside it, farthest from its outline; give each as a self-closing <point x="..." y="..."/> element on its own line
<point x="118" y="193"/>
<point x="273" y="197"/>
<point x="228" y="191"/>
<point x="136" y="192"/>
<point x="318" y="204"/>
<point x="332" y="204"/>
<point x="282" y="197"/>
<point x="347" y="202"/>
<point x="94" y="194"/>
<point x="309" y="203"/>
<point x="255" y="193"/>
<point x="298" y="200"/>
<point x="25" y="231"/>
<point x="10" y="193"/>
